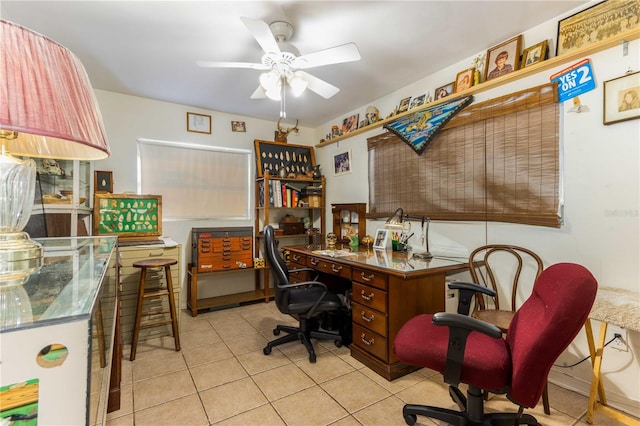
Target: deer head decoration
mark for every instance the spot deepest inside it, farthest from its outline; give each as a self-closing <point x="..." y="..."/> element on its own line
<point x="281" y="134"/>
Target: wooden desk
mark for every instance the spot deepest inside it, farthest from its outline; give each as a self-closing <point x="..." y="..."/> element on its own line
<point x="388" y="289"/>
<point x="618" y="307"/>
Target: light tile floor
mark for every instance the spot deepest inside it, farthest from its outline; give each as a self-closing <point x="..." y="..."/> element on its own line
<point x="221" y="377"/>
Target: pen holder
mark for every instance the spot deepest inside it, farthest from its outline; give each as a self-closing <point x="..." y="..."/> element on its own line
<point x="397" y="245"/>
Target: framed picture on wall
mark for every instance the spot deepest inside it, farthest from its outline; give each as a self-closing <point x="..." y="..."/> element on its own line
<point x="464" y="80"/>
<point x="198" y="123"/>
<point x="102" y="182"/>
<point x="342" y="163"/>
<point x="238" y="126"/>
<point x="534" y="54"/>
<point x="503" y="58"/>
<point x="444" y="91"/>
<point x="622" y="98"/>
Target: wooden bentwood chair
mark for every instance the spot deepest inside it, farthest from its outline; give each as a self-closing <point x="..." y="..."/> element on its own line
<point x="486" y="264"/>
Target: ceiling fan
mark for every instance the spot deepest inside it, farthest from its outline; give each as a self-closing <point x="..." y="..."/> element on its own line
<point x="283" y="63"/>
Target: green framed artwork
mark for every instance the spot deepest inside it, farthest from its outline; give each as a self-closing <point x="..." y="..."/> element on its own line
<point x="127" y="215"/>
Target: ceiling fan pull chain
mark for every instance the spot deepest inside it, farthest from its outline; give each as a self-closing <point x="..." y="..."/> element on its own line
<point x="283" y="110"/>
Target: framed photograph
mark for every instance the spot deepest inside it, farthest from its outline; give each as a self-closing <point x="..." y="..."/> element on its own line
<point x="350" y="123"/>
<point x="198" y="123"/>
<point x="417" y="101"/>
<point x="238" y="126"/>
<point x="464" y="80"/>
<point x="404" y="105"/>
<point x="102" y="182"/>
<point x="444" y="91"/>
<point x="503" y="58"/>
<point x="381" y="258"/>
<point x="534" y="54"/>
<point x="621" y="98"/>
<point x="381" y="240"/>
<point x="595" y="24"/>
<point x="342" y="163"/>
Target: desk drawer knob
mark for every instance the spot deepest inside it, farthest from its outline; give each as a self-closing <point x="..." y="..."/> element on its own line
<point x="366" y="278"/>
<point x="367" y="319"/>
<point x="366" y="297"/>
<point x="336" y="268"/>
<point x="367" y="342"/>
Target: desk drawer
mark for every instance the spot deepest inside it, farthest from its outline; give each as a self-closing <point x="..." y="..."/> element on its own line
<point x="298" y="259"/>
<point x="369" y="318"/>
<point x="370" y="342"/>
<point x="370" y="297"/>
<point x="330" y="267"/>
<point x="375" y="279"/>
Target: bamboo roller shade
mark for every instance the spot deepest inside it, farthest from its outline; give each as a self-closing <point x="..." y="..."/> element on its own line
<point x="497" y="160"/>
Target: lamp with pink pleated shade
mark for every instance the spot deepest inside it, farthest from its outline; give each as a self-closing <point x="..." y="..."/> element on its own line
<point x="47" y="109"/>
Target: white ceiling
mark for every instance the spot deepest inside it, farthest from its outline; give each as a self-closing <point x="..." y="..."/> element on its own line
<point x="150" y="49"/>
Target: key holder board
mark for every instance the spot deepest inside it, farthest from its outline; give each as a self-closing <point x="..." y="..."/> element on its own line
<point x="127" y="215"/>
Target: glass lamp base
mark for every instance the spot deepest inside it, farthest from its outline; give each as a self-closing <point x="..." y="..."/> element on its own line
<point x="20" y="256"/>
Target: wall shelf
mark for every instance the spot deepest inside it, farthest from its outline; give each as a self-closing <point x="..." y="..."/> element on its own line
<point x="513" y="76"/>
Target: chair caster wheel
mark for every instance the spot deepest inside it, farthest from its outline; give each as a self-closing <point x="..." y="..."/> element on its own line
<point x="338" y="343"/>
<point x="266" y="350"/>
<point x="312" y="358"/>
<point x="276" y="331"/>
<point x="410" y="419"/>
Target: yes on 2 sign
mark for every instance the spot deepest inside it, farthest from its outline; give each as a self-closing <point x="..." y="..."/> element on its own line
<point x="574" y="80"/>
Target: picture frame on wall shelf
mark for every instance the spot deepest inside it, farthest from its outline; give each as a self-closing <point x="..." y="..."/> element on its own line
<point x="381" y="240"/>
<point x="238" y="126"/>
<point x="350" y="123"/>
<point x="503" y="58"/>
<point x="444" y="91"/>
<point x="595" y="24"/>
<point x="404" y="105"/>
<point x="342" y="163"/>
<point x="534" y="54"/>
<point x="464" y="80"/>
<point x="102" y="182"/>
<point x="417" y="101"/>
<point x="621" y="98"/>
<point x="198" y="123"/>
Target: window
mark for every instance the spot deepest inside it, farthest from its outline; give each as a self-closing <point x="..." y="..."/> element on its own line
<point x="196" y="181"/>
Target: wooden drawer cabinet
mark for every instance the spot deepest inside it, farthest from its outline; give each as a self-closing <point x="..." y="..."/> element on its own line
<point x="368" y="277"/>
<point x="370" y="342"/>
<point x="329" y="267"/>
<point x="222" y="249"/>
<point x="298" y="261"/>
<point x="370" y="318"/>
<point x="370" y="297"/>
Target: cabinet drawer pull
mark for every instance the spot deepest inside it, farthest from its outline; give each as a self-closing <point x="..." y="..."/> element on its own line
<point x="336" y="268"/>
<point x="296" y="257"/>
<point x="367" y="342"/>
<point x="314" y="261"/>
<point x="367" y="297"/>
<point x="367" y="319"/>
<point x="365" y="278"/>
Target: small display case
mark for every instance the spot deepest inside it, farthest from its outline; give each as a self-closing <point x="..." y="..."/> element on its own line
<point x="349" y="219"/>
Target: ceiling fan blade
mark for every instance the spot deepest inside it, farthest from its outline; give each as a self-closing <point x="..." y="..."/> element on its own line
<point x="214" y="64"/>
<point x="259" y="93"/>
<point x="262" y="33"/>
<point x="333" y="55"/>
<point x="321" y="87"/>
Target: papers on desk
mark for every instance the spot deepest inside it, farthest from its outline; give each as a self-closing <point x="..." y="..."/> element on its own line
<point x="168" y="242"/>
<point x="334" y="253"/>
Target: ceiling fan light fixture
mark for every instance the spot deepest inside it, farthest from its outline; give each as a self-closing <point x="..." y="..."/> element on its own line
<point x="298" y="84"/>
<point x="270" y="82"/>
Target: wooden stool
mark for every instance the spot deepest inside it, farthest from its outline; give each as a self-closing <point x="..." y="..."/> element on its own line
<point x="144" y="265"/>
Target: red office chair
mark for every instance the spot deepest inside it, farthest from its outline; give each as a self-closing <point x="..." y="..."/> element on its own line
<point x="474" y="352"/>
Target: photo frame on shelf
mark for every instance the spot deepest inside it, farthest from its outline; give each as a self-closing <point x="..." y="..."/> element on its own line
<point x="381" y="240"/>
<point x="417" y="101"/>
<point x="342" y="163"/>
<point x="350" y="123"/>
<point x="595" y="24"/>
<point x="404" y="105"/>
<point x="198" y="123"/>
<point x="444" y="91"/>
<point x="621" y="98"/>
<point x="464" y="80"/>
<point x="503" y="58"/>
<point x="238" y="126"/>
<point x="534" y="54"/>
<point x="102" y="182"/>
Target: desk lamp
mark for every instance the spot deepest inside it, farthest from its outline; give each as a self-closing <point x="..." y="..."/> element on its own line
<point x="401" y="221"/>
<point x="47" y="109"/>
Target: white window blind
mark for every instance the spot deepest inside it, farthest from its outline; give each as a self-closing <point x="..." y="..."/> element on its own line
<point x="196" y="181"/>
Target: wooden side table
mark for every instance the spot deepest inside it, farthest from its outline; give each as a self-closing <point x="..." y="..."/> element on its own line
<point x="618" y="307"/>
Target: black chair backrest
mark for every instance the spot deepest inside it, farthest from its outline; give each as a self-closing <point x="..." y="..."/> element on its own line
<point x="545" y="325"/>
<point x="278" y="268"/>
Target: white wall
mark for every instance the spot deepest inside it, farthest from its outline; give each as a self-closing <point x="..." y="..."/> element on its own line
<point x="601" y="227"/>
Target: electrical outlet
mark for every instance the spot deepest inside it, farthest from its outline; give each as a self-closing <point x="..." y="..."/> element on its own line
<point x="619" y="343"/>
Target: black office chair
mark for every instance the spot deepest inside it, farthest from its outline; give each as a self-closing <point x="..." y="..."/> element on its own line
<point x="306" y="301"/>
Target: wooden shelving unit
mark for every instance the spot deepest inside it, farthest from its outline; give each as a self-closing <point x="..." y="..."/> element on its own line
<point x="513" y="76"/>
